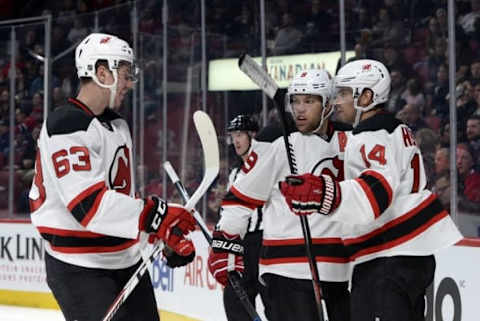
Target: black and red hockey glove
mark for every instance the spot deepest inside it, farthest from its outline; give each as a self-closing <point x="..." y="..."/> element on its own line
<point x="306" y="194"/>
<point x="225" y="256"/>
<point x="170" y="223"/>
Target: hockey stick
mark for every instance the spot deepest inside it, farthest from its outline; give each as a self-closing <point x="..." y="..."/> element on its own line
<point x="233" y="277"/>
<point x="211" y="158"/>
<point x="263" y="80"/>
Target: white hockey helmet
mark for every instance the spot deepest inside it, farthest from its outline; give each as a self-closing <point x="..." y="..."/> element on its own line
<point x="101" y="46"/>
<point x="365" y="74"/>
<point x="312" y="82"/>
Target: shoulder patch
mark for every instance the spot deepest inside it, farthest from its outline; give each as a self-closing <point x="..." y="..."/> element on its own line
<point x="67" y="119"/>
<point x="380" y="121"/>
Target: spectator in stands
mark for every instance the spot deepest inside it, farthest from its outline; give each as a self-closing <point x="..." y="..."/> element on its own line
<point x="468" y="177"/>
<point x="396" y="102"/>
<point x="413" y="94"/>
<point x="475" y="71"/>
<point x="473" y="137"/>
<point x="434" y="33"/>
<point x="445" y="133"/>
<point x="442" y="189"/>
<point x="316" y="23"/>
<point x="440" y="91"/>
<point x="442" y="161"/>
<point x="437" y="58"/>
<point x="467" y="21"/>
<point x="441" y="15"/>
<point x="476" y="98"/>
<point x="411" y="115"/>
<point x="4" y="103"/>
<point x="4" y="142"/>
<point x="426" y="140"/>
<point x="288" y="37"/>
<point x="388" y="29"/>
<point x="24" y="120"/>
<point x="393" y="60"/>
<point x="37" y="106"/>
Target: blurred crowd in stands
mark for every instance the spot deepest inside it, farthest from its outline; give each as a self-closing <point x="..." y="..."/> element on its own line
<point x="409" y="36"/>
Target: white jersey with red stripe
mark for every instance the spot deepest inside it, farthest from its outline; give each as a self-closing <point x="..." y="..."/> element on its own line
<point x="82" y="197"/>
<point x="283" y="249"/>
<point x="384" y="195"/>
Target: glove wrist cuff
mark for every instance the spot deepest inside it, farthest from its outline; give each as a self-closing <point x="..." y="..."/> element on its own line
<point x="332" y="195"/>
<point x="154" y="211"/>
<point x="222" y="242"/>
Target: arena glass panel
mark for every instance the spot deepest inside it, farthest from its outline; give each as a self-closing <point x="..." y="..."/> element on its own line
<point x="28" y="114"/>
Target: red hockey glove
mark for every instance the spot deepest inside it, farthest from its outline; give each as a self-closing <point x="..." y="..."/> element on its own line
<point x="226" y="255"/>
<point x="168" y="222"/>
<point x="184" y="254"/>
<point x="307" y="193"/>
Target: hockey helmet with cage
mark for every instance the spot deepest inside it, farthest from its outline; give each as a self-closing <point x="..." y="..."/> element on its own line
<point x="113" y="50"/>
<point x="364" y="74"/>
<point x="242" y="122"/>
<point x="316" y="82"/>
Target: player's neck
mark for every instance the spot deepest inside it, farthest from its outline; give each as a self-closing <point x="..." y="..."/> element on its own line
<point x="90" y="97"/>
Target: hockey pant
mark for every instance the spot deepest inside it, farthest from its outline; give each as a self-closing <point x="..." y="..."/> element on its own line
<point x="294" y="299"/>
<point x="233" y="308"/>
<point x="85" y="294"/>
<point x="391" y="288"/>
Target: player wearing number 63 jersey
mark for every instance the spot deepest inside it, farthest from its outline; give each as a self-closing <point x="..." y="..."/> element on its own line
<point x="82" y="198"/>
<point x="318" y="147"/>
<point x="396" y="223"/>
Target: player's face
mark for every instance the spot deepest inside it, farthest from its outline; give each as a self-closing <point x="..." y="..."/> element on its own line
<point x="345" y="112"/>
<point x="124" y="84"/>
<point x="241" y="142"/>
<point x="308" y="112"/>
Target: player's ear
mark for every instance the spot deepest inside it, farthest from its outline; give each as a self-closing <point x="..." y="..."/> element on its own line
<point x="101" y="74"/>
<point x="366" y="97"/>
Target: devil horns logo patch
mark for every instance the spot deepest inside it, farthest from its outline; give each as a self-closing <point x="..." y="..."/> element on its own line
<point x="120" y="174"/>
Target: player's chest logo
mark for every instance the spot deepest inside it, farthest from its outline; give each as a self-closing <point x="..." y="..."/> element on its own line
<point x="119" y="176"/>
<point x="332" y="166"/>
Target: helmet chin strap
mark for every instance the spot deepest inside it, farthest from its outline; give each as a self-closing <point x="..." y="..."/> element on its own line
<point x="322" y="119"/>
<point x="112" y="87"/>
<point x="359" y="110"/>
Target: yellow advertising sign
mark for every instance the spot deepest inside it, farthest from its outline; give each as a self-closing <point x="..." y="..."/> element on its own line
<point x="224" y="74"/>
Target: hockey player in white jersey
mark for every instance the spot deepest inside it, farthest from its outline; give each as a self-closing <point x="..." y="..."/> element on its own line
<point x="284" y="267"/>
<point x="82" y="199"/>
<point x="397" y="224"/>
<point x="242" y="130"/>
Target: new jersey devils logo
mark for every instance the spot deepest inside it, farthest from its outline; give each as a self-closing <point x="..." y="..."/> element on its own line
<point x="332" y="166"/>
<point x="119" y="176"/>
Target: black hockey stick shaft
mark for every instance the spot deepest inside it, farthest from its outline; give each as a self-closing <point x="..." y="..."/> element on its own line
<point x="262" y="79"/>
<point x="233" y="277"/>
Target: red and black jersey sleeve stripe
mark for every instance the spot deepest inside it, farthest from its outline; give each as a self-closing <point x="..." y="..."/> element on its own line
<point x="234" y="197"/>
<point x="85" y="205"/>
<point x="67" y="241"/>
<point x="377" y="189"/>
<point x="398" y="231"/>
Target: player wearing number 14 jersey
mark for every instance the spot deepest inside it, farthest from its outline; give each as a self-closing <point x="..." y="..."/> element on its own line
<point x="82" y="198"/>
<point x="396" y="223"/>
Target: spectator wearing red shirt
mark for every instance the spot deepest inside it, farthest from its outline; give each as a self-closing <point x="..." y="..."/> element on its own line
<point x="468" y="177"/>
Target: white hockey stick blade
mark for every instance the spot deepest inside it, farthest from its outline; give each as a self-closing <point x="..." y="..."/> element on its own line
<point x="258" y="75"/>
<point x="211" y="156"/>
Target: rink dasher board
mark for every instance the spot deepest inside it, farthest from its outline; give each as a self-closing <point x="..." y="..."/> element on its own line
<point x="190" y="293"/>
